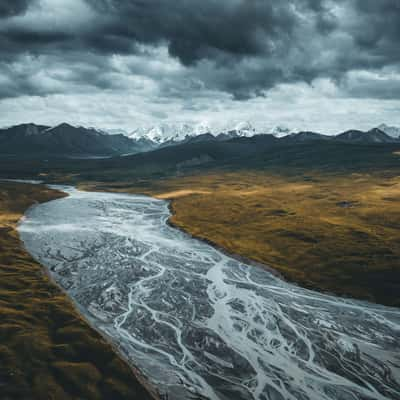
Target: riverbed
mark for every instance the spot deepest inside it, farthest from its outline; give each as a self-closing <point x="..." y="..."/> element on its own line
<point x="197" y="322"/>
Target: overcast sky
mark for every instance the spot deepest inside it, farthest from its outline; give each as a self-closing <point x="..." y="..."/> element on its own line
<point x="308" y="64"/>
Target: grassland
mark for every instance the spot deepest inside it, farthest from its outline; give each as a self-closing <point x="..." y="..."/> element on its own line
<point x="46" y="350"/>
<point x="325" y="215"/>
<point x="338" y="233"/>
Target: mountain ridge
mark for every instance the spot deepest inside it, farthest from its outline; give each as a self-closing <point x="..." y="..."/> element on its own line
<point x="67" y="140"/>
<point x="169" y="134"/>
<point x="392" y="131"/>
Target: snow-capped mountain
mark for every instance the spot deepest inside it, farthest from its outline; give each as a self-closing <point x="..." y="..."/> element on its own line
<point x="390" y="130"/>
<point x="244" y="129"/>
<point x="281" y="131"/>
<point x="169" y="132"/>
<point x="163" y="133"/>
<point x="172" y="133"/>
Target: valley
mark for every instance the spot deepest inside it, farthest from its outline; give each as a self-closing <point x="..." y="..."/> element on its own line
<point x="199" y="200"/>
<point x="324" y="214"/>
<point x="47" y="350"/>
<point x="335" y="233"/>
<point x="221" y="328"/>
<point x="321" y="214"/>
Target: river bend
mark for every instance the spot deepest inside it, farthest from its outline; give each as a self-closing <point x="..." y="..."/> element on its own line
<point x="199" y="323"/>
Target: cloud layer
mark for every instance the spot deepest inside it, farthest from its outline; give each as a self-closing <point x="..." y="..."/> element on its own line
<point x="184" y="56"/>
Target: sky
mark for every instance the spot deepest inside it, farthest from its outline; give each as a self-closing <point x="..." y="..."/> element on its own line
<point x="321" y="65"/>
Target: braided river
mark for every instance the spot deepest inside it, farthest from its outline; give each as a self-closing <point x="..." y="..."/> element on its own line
<point x="200" y="324"/>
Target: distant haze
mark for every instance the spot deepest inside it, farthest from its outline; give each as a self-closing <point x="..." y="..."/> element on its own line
<point x="321" y="65"/>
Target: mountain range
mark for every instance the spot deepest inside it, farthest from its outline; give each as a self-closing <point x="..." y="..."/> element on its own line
<point x="66" y="140"/>
<point x="173" y="133"/>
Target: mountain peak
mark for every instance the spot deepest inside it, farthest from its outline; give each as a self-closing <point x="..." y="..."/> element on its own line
<point x="32" y="129"/>
<point x="280" y="131"/>
<point x="392" y="131"/>
<point x="61" y="126"/>
<point x="374" y="135"/>
<point x="64" y="125"/>
<point x="175" y="132"/>
<point x="245" y="128"/>
<point x="169" y="132"/>
<point x="65" y="140"/>
<point x="376" y="131"/>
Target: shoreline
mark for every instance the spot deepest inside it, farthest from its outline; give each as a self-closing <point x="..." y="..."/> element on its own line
<point x="142" y="379"/>
<point x="237" y="257"/>
<point x="167" y="212"/>
<point x="252" y="263"/>
<point x="242" y="259"/>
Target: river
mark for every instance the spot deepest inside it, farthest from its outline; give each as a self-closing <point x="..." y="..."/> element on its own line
<point x="199" y="323"/>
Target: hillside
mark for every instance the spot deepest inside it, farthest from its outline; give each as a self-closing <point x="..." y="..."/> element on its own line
<point x="65" y="140"/>
<point x="373" y="136"/>
<point x="262" y="153"/>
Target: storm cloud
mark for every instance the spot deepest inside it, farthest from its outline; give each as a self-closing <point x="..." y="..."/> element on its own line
<point x="10" y="8"/>
<point x="185" y="50"/>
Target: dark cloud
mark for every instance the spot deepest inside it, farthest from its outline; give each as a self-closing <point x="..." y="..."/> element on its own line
<point x="376" y="29"/>
<point x="197" y="30"/>
<point x="9" y="8"/>
<point x="25" y="40"/>
<point x="242" y="47"/>
<point x="252" y="43"/>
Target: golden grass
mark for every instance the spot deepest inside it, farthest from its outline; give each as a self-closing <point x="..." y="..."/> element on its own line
<point x="180" y="193"/>
<point x="333" y="233"/>
<point x="47" y="351"/>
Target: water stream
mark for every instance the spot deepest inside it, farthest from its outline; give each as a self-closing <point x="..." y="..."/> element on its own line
<point x="199" y="323"/>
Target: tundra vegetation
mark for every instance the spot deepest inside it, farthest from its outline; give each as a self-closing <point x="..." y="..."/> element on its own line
<point x="325" y="215"/>
<point x="47" y="351"/>
<point x="337" y="233"/>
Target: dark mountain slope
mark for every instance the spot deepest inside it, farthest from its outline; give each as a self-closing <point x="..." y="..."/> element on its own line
<point x="306" y="136"/>
<point x="244" y="154"/>
<point x="373" y="136"/>
<point x="262" y="152"/>
<point x="64" y="140"/>
<point x="257" y="153"/>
